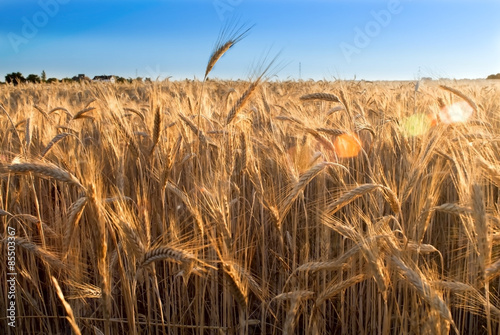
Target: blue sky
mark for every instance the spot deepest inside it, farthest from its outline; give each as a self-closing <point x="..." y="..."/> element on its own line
<point x="373" y="40"/>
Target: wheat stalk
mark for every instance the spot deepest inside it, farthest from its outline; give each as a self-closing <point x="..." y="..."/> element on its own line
<point x="67" y="307"/>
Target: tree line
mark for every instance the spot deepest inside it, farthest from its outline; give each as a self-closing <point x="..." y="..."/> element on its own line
<point x="16" y="78"/>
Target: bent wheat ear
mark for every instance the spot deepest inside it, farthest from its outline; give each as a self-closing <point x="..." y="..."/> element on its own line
<point x="166" y="253"/>
<point x="81" y="114"/>
<point x="231" y="36"/>
<point x="236" y="286"/>
<point x="336" y="287"/>
<point x="424" y="290"/>
<point x="359" y="191"/>
<point x="56" y="139"/>
<point x="461" y="95"/>
<point x="47" y="170"/>
<point x="75" y="213"/>
<point x="320" y="96"/>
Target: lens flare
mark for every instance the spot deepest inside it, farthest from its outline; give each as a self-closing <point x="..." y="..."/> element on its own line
<point x="347" y="145"/>
<point x="458" y="112"/>
<point x="418" y="124"/>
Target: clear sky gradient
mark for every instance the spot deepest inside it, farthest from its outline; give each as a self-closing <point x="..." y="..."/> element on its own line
<point x="372" y="40"/>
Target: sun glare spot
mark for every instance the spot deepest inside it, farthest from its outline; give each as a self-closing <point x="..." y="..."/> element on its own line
<point x="347" y="145"/>
<point x="418" y="124"/>
<point x="458" y="112"/>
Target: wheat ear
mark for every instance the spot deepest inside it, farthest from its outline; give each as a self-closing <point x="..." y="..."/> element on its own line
<point x="81" y="114"/>
<point x="320" y="96"/>
<point x="242" y="101"/>
<point x="52" y="142"/>
<point x="232" y="36"/>
<point x="424" y="290"/>
<point x="156" y="130"/>
<point x="236" y="286"/>
<point x="75" y="213"/>
<point x="335" y="287"/>
<point x="166" y="253"/>
<point x="461" y="95"/>
<point x="47" y="170"/>
<point x="348" y="197"/>
<point x="194" y="129"/>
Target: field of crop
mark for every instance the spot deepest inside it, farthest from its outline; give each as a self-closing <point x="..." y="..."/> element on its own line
<point x="216" y="207"/>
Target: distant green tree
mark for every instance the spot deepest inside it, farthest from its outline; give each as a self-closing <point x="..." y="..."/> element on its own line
<point x="120" y="80"/>
<point x="15" y="78"/>
<point x="52" y="80"/>
<point x="33" y="78"/>
<point x="494" y="76"/>
<point x="44" y="76"/>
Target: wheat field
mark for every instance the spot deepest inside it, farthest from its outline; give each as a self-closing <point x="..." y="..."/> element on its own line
<point x="233" y="207"/>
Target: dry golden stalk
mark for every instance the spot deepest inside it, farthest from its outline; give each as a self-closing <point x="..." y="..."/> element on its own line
<point x="129" y="138"/>
<point x="335" y="287"/>
<point x="194" y="212"/>
<point x="67" y="307"/>
<point x="493" y="171"/>
<point x="299" y="186"/>
<point x="27" y="132"/>
<point x="244" y="158"/>
<point x="291" y="316"/>
<point x="481" y="227"/>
